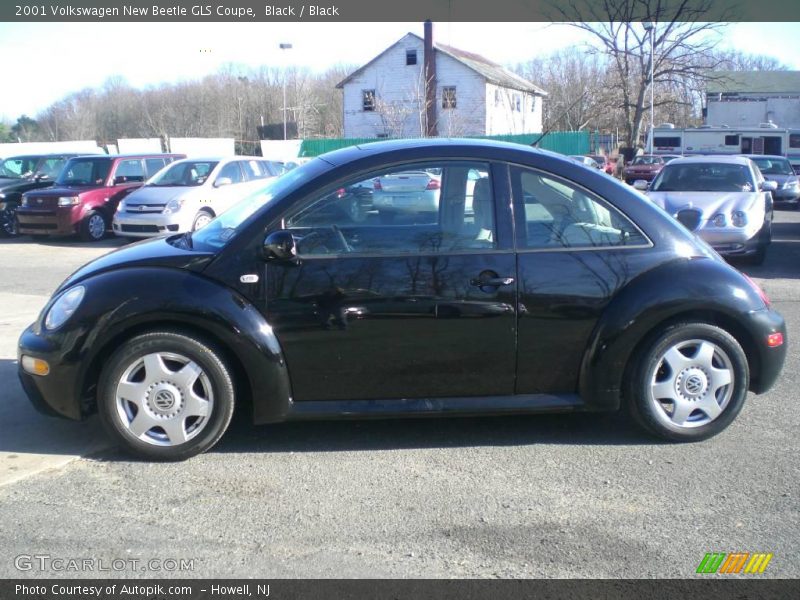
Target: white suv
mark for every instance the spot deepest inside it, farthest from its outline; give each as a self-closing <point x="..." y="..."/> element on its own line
<point x="187" y="194"/>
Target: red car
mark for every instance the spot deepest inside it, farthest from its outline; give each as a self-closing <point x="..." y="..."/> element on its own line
<point x="86" y="194"/>
<point x="606" y="164"/>
<point x="646" y="167"/>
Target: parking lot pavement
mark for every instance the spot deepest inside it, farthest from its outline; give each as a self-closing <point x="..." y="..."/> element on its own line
<point x="545" y="496"/>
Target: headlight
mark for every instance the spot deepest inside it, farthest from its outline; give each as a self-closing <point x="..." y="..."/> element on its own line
<point x="2" y="204"/>
<point x="2" y="196"/>
<point x="789" y="184"/>
<point x="739" y="218"/>
<point x="64" y="307"/>
<point x="719" y="220"/>
<point x="68" y="201"/>
<point x="173" y="206"/>
<point x="122" y="207"/>
<point x="24" y="201"/>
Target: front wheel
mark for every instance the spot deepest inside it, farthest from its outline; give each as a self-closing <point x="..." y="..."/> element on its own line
<point x="166" y="396"/>
<point x="93" y="227"/>
<point x="201" y="220"/>
<point x="8" y="220"/>
<point x="689" y="383"/>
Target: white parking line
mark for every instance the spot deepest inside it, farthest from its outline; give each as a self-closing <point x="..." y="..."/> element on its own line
<point x="30" y="442"/>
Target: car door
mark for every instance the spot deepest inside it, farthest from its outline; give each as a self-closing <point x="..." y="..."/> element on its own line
<point x="417" y="308"/>
<point x="575" y="252"/>
<point x="227" y="187"/>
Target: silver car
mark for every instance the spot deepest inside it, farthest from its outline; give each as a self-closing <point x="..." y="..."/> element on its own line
<point x="779" y="170"/>
<point x="724" y="199"/>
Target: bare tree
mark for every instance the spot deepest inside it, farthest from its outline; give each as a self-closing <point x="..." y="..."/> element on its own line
<point x="680" y="39"/>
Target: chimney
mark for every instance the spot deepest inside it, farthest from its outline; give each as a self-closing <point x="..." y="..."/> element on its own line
<point x="429" y="70"/>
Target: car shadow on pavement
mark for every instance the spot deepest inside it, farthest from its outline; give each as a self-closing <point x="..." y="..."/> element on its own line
<point x="67" y="242"/>
<point x="435" y="432"/>
<point x="23" y="430"/>
<point x="783" y="255"/>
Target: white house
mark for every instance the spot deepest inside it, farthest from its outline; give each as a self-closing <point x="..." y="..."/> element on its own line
<point x="748" y="98"/>
<point x="408" y="92"/>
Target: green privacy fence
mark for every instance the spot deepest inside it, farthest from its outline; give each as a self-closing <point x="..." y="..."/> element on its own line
<point x="565" y="142"/>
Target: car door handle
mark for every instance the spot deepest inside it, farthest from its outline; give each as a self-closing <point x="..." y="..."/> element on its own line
<point x="491" y="280"/>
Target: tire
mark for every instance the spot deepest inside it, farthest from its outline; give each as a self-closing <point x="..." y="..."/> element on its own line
<point x="765" y="239"/>
<point x="8" y="221"/>
<point x="201" y="219"/>
<point x="355" y="211"/>
<point x="93" y="227"/>
<point x="166" y="396"/>
<point x="683" y="368"/>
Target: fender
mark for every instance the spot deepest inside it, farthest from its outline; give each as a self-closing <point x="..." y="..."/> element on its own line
<point x="127" y="301"/>
<point x="681" y="286"/>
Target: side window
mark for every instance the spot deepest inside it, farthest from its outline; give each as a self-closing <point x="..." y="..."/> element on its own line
<point x="153" y="166"/>
<point x="430" y="208"/>
<point x="257" y="169"/>
<point x="232" y="171"/>
<point x="128" y="171"/>
<point x="52" y="167"/>
<point x="559" y="214"/>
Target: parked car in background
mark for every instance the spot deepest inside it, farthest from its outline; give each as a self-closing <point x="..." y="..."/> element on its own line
<point x="20" y="174"/>
<point x="407" y="192"/>
<point x="586" y="160"/>
<point x="645" y="167"/>
<point x="86" y="193"/>
<point x="189" y="193"/>
<point x="723" y="199"/>
<point x="779" y="170"/>
<point x="606" y="164"/>
<point x="562" y="290"/>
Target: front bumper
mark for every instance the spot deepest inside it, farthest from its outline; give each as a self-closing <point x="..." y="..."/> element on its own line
<point x="731" y="241"/>
<point x="47" y="221"/>
<point x="149" y="225"/>
<point x="786" y="195"/>
<point x="57" y="393"/>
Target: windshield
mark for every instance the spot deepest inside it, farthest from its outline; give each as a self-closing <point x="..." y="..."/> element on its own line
<point x="646" y="160"/>
<point x="85" y="171"/>
<point x="184" y="174"/>
<point x="18" y="167"/>
<point x="774" y="166"/>
<point x="221" y="230"/>
<point x="703" y="177"/>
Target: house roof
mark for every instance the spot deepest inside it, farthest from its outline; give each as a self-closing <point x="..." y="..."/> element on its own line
<point x="490" y="71"/>
<point x="754" y="82"/>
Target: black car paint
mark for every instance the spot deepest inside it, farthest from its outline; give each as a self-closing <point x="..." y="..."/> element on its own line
<point x="575" y="333"/>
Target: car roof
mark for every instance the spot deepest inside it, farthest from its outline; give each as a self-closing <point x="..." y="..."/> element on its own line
<point x="711" y="158"/>
<point x="45" y="155"/>
<point x="767" y="156"/>
<point x="351" y="153"/>
<point x="123" y="156"/>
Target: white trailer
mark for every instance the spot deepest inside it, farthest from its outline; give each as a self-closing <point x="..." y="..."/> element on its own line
<point x="765" y="138"/>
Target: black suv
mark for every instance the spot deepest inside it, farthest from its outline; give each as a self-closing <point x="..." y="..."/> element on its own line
<point x="537" y="285"/>
<point x="19" y="174"/>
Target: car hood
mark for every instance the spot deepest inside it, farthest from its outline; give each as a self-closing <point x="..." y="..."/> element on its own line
<point x="167" y="252"/>
<point x="780" y="179"/>
<point x="66" y="190"/>
<point x="11" y="185"/>
<point x="710" y="203"/>
<point x="151" y="194"/>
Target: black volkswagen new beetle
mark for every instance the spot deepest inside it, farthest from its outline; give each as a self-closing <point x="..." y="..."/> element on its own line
<point x="536" y="285"/>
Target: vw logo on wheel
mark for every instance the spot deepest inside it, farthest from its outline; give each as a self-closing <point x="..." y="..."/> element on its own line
<point x="694" y="385"/>
<point x="164" y="400"/>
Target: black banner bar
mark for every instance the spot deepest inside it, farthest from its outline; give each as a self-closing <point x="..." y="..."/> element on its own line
<point x="740" y="588"/>
<point x="383" y="11"/>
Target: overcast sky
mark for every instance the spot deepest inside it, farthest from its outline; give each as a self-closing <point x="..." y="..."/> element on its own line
<point x="46" y="61"/>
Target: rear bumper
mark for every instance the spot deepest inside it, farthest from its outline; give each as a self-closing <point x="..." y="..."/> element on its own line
<point x="770" y="360"/>
<point x="41" y="221"/>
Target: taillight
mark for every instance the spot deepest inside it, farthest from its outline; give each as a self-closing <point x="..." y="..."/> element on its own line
<point x="340" y="193"/>
<point x="761" y="293"/>
<point x="376" y="185"/>
<point x="433" y="184"/>
<point x="774" y="340"/>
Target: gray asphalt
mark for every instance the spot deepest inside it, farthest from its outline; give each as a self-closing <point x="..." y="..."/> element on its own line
<point x="548" y="496"/>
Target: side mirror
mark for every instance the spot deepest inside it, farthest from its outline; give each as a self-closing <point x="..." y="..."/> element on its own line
<point x="279" y="245"/>
<point x="223" y="181"/>
<point x="769" y="186"/>
<point x="641" y="185"/>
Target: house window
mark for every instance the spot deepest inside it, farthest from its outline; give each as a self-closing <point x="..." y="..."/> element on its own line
<point x="533" y="103"/>
<point x="368" y="100"/>
<point x="517" y="103"/>
<point x="497" y="98"/>
<point x="794" y="140"/>
<point x="411" y="57"/>
<point x="449" y="97"/>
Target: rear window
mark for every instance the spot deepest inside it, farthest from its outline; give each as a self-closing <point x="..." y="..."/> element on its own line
<point x="85" y="171"/>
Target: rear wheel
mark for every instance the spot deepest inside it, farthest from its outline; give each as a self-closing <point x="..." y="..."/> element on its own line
<point x="93" y="226"/>
<point x="166" y="396"/>
<point x="689" y="383"/>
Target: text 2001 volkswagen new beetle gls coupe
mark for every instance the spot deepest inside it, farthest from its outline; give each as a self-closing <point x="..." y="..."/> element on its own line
<point x="539" y="285"/>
